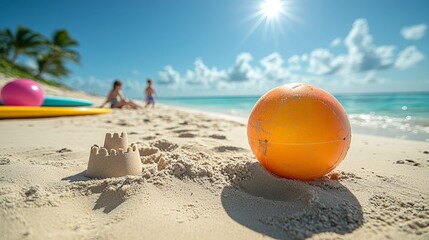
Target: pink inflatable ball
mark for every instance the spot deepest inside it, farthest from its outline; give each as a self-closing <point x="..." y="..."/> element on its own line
<point x="22" y="92"/>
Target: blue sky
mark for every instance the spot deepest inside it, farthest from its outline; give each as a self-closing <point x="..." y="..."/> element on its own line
<point x="195" y="47"/>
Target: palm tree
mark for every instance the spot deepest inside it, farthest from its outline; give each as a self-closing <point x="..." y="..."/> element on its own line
<point x="3" y="51"/>
<point x="24" y="41"/>
<point x="59" y="51"/>
<point x="53" y="67"/>
<point x="3" y="44"/>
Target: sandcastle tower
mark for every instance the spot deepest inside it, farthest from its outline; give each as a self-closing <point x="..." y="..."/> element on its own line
<point x="115" y="159"/>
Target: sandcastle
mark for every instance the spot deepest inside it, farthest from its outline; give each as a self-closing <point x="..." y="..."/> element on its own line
<point x="112" y="160"/>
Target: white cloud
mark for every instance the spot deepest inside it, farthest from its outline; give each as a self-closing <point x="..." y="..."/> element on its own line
<point x="294" y="63"/>
<point x="200" y="75"/>
<point x="134" y="86"/>
<point x="273" y="62"/>
<point x="168" y="76"/>
<point x="363" y="55"/>
<point x="414" y="32"/>
<point x="242" y="70"/>
<point x="359" y="64"/>
<point x="335" y="42"/>
<point x="136" y="72"/>
<point x="273" y="68"/>
<point x="203" y="75"/>
<point x="409" y="57"/>
<point x="322" y="62"/>
<point x="304" y="57"/>
<point x="241" y="74"/>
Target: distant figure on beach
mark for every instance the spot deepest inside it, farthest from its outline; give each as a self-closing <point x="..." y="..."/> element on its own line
<point x="117" y="99"/>
<point x="150" y="93"/>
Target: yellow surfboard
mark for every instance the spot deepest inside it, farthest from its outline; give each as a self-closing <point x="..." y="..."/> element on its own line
<point x="37" y="112"/>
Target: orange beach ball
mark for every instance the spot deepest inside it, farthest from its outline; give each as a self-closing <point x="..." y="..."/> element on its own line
<point x="299" y="131"/>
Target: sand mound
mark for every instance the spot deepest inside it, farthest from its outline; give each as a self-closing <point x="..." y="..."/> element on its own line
<point x="301" y="209"/>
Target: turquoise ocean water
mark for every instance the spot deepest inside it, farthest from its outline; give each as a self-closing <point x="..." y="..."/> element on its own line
<point x="398" y="115"/>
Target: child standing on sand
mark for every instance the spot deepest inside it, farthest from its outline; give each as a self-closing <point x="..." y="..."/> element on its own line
<point x="150" y="93"/>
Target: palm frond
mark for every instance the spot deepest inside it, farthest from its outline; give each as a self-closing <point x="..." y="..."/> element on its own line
<point x="27" y="40"/>
<point x="62" y="39"/>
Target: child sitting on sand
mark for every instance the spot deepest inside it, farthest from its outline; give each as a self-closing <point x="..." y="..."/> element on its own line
<point x="117" y="99"/>
<point x="150" y="92"/>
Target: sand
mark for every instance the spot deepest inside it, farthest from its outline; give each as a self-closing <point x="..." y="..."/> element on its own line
<point x="199" y="181"/>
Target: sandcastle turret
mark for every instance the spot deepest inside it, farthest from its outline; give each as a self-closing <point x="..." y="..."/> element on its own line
<point x="115" y="159"/>
<point x="116" y="141"/>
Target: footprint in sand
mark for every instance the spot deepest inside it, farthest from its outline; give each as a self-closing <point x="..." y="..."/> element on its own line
<point x="63" y="150"/>
<point x="165" y="145"/>
<point x="166" y="118"/>
<point x="125" y="124"/>
<point x="4" y="161"/>
<point x="148" y="151"/>
<point x="183" y="130"/>
<point x="228" y="149"/>
<point x="218" y="136"/>
<point x="187" y="135"/>
<point x="408" y="162"/>
<point x="148" y="138"/>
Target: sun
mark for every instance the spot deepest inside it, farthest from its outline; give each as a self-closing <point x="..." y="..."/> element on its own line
<point x="271" y="8"/>
<point x="273" y="15"/>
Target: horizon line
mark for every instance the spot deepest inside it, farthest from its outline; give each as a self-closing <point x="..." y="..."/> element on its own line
<point x="256" y="95"/>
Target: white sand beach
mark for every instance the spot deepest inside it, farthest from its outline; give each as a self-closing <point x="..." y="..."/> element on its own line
<point x="199" y="181"/>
